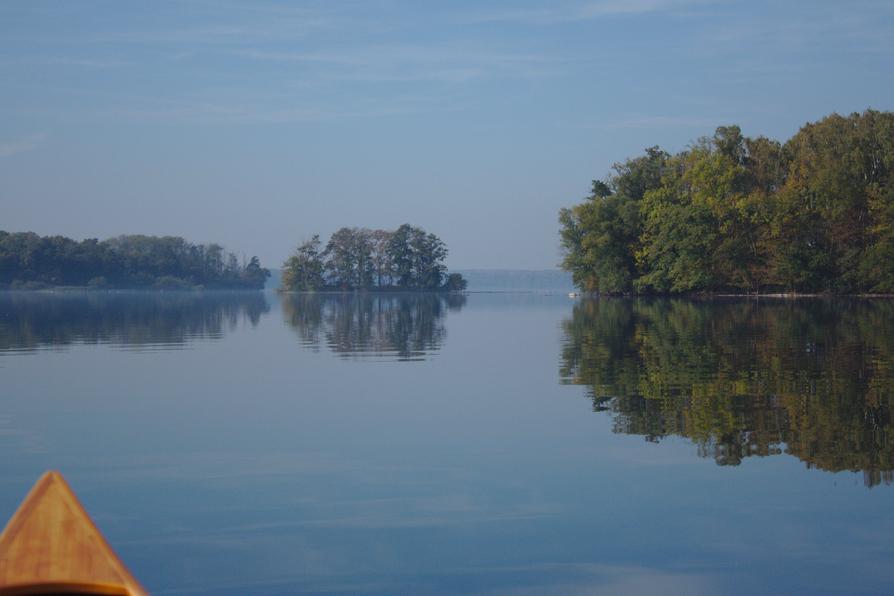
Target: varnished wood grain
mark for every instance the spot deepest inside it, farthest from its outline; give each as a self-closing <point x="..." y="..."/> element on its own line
<point x="52" y="546"/>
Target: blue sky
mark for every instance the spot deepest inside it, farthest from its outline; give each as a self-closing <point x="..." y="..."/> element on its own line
<point x="257" y="124"/>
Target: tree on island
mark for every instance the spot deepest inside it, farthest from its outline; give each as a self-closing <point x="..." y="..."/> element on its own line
<point x="734" y="213"/>
<point x="455" y="282"/>
<point x="303" y="271"/>
<point x="361" y="259"/>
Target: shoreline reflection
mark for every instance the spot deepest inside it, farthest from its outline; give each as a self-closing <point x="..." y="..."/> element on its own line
<point x="400" y="326"/>
<point x="133" y="320"/>
<point x="813" y="379"/>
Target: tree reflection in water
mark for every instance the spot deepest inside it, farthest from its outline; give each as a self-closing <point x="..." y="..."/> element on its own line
<point x="810" y="378"/>
<point x="405" y="326"/>
<point x="33" y="320"/>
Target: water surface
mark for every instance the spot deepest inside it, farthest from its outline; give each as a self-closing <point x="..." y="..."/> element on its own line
<point x="491" y="443"/>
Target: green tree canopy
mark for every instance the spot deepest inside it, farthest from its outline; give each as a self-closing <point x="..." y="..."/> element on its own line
<point x="734" y="213"/>
<point x="29" y="260"/>
<point x="407" y="258"/>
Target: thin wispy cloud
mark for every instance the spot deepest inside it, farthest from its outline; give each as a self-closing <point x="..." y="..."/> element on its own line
<point x="239" y="27"/>
<point x="263" y="109"/>
<point x="215" y="34"/>
<point x="401" y="63"/>
<point x="855" y="32"/>
<point x="15" y="147"/>
<point x="63" y="61"/>
<point x="581" y="11"/>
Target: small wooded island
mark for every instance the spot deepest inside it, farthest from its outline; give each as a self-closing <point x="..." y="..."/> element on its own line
<point x="740" y="214"/>
<point x="407" y="258"/>
<point x="32" y="262"/>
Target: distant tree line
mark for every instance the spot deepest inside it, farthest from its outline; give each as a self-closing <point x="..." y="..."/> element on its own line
<point x="31" y="261"/>
<point x="407" y="258"/>
<point x="734" y="213"/>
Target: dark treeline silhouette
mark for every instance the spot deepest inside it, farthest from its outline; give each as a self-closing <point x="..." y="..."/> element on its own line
<point x="32" y="320"/>
<point x="361" y="259"/>
<point x="29" y="261"/>
<point x="734" y="213"/>
<point x="810" y="378"/>
<point x="404" y="326"/>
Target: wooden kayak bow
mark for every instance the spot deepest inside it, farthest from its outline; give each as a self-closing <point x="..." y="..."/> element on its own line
<point x="51" y="546"/>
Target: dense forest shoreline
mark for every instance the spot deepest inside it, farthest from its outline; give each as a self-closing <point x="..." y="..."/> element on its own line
<point x="51" y="289"/>
<point x="734" y="214"/>
<point x="32" y="262"/>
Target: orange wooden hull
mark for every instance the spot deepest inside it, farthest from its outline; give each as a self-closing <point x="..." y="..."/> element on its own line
<point x="51" y="546"/>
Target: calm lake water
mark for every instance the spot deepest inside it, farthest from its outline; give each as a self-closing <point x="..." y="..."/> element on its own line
<point x="489" y="443"/>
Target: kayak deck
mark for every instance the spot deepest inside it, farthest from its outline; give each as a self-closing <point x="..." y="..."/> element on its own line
<point x="51" y="546"/>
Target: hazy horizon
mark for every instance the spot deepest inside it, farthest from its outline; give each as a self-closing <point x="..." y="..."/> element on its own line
<point x="256" y="125"/>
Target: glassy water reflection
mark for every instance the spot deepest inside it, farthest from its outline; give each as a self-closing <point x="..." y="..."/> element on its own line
<point x="426" y="444"/>
<point x="401" y="326"/>
<point x="135" y="320"/>
<point x="813" y="379"/>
